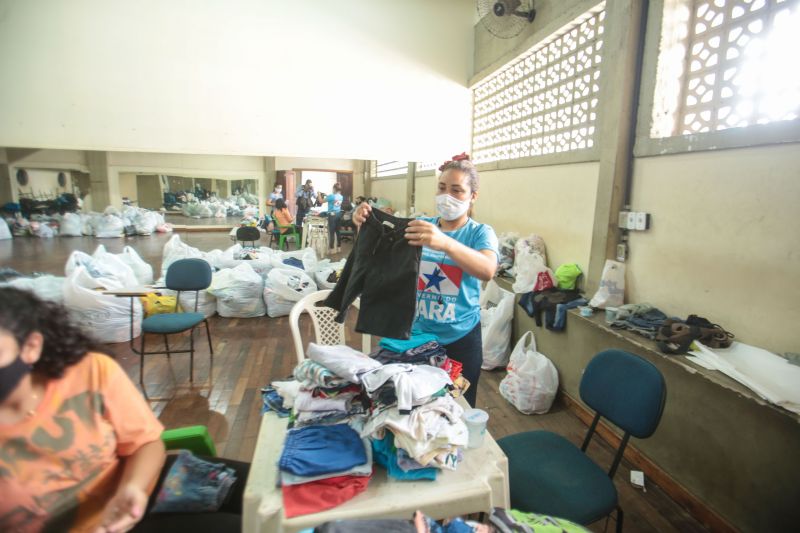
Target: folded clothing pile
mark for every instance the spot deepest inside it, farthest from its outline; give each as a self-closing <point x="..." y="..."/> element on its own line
<point x="399" y="411"/>
<point x="643" y="319"/>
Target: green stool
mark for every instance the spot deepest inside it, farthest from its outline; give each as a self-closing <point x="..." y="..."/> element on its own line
<point x="193" y="438"/>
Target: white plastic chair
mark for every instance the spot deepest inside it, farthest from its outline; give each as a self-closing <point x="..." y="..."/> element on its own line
<point x="326" y="331"/>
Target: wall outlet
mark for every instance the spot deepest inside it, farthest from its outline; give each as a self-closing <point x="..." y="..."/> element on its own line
<point x="631" y="224"/>
<point x="622" y="223"/>
<point x="642" y="221"/>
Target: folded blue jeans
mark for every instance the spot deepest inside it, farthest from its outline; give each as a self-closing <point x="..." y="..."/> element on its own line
<point x="194" y="485"/>
<point x="317" y="450"/>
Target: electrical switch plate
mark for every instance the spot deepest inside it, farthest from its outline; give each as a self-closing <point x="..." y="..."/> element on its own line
<point x="631" y="220"/>
<point x="622" y="223"/>
<point x="622" y="252"/>
<point x="642" y="221"/>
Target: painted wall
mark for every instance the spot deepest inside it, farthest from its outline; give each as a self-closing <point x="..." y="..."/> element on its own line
<point x="725" y="240"/>
<point x="393" y="190"/>
<point x="556" y="202"/>
<point x="314" y="163"/>
<point x="424" y="194"/>
<point x="128" y="187"/>
<point x="244" y="77"/>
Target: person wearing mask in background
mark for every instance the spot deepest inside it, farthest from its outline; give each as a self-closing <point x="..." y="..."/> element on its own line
<point x="306" y="199"/>
<point x="80" y="449"/>
<point x="334" y="217"/>
<point x="276" y="194"/>
<point x="457" y="254"/>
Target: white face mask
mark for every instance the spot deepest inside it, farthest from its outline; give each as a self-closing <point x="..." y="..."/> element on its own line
<point x="450" y="208"/>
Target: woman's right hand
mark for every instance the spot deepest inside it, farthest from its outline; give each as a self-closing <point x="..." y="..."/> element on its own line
<point x="361" y="213"/>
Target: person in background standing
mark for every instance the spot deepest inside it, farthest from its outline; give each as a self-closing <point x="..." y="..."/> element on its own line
<point x="334" y="217"/>
<point x="276" y="194"/>
<point x="306" y="199"/>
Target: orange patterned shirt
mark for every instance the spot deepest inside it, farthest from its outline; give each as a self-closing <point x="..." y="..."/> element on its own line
<point x="60" y="466"/>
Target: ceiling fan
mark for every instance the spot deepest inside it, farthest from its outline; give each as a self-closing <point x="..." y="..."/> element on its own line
<point x="505" y="18"/>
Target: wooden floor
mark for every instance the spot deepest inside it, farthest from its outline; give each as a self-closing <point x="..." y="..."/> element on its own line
<point x="252" y="352"/>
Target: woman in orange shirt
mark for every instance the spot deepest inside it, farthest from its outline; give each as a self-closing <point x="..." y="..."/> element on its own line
<point x="80" y="449"/>
<point x="282" y="215"/>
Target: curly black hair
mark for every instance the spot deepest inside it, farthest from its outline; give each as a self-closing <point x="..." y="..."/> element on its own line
<point x="22" y="313"/>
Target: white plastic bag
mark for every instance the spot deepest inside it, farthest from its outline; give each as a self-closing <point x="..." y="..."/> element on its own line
<point x="323" y="271"/>
<point x="532" y="380"/>
<point x="531" y="272"/>
<point x="145" y="222"/>
<point x="101" y="266"/>
<point x="290" y="284"/>
<point x="105" y="317"/>
<point x="109" y="225"/>
<point x="45" y="287"/>
<point x="497" y="312"/>
<point x="278" y="293"/>
<point x="142" y="271"/>
<point x="306" y="255"/>
<point x="239" y="292"/>
<point x="611" y="292"/>
<point x="71" y="225"/>
<point x="206" y="303"/>
<point x="175" y="249"/>
<point x="112" y="263"/>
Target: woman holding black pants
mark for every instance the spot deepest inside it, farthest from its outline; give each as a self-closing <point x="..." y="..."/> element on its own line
<point x="457" y="254"/>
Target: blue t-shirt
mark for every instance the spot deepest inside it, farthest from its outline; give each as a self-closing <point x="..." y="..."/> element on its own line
<point x="447" y="297"/>
<point x="334" y="202"/>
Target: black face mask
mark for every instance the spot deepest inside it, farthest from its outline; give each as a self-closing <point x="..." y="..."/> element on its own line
<point x="11" y="375"/>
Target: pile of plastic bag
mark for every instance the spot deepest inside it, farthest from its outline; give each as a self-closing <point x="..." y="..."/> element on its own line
<point x="238" y="292"/>
<point x="106" y="316"/>
<point x="45" y="287"/>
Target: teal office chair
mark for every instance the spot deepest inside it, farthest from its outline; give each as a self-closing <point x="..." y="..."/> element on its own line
<point x="182" y="275"/>
<point x="550" y="475"/>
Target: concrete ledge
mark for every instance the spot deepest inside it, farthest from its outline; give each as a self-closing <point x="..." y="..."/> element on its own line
<point x="724" y="448"/>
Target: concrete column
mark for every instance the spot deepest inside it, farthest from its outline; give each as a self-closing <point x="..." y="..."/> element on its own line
<point x="624" y="30"/>
<point x="267" y="183"/>
<point x="104" y="181"/>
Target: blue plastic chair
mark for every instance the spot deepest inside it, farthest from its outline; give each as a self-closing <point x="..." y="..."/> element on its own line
<point x="550" y="475"/>
<point x="182" y="275"/>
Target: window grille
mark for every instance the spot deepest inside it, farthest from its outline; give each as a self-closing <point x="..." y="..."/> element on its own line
<point x="726" y="64"/>
<point x="546" y="100"/>
<point x="385" y="169"/>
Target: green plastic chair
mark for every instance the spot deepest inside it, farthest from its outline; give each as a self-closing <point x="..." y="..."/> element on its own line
<point x="196" y="439"/>
<point x="282" y="236"/>
<point x="550" y="475"/>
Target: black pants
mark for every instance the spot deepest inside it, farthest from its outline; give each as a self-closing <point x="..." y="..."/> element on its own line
<point x="227" y="518"/>
<point x="468" y="350"/>
<point x="383" y="268"/>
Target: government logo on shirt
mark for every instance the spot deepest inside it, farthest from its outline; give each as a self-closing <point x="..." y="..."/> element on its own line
<point x="438" y="286"/>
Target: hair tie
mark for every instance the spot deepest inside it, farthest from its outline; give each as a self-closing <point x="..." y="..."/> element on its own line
<point x="463" y="156"/>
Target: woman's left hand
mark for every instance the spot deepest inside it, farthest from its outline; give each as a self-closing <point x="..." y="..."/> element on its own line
<point x="124" y="510"/>
<point x="423" y="233"/>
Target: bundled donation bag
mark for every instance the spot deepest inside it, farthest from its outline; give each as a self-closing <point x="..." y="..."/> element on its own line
<point x="142" y="271"/>
<point x="175" y="249"/>
<point x="5" y="231"/>
<point x="612" y="286"/>
<point x="531" y="272"/>
<point x="238" y="292"/>
<point x="532" y="380"/>
<point x="71" y="225"/>
<point x="106" y="317"/>
<point x="284" y="287"/>
<point x="45" y="287"/>
<point x="497" y="311"/>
